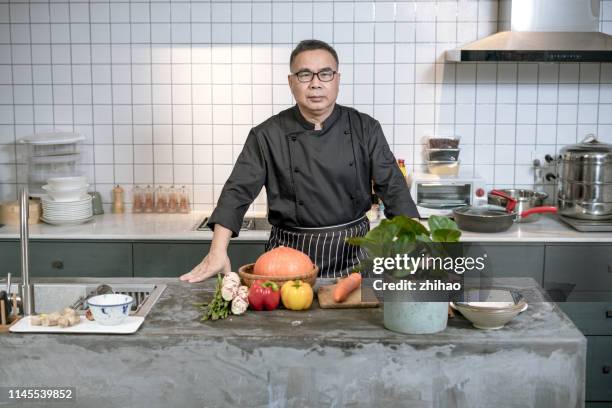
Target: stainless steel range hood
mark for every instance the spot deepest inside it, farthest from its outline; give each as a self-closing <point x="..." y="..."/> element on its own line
<point x="542" y="30"/>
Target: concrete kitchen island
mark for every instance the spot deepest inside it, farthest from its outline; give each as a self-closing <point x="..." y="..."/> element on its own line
<point x="316" y="358"/>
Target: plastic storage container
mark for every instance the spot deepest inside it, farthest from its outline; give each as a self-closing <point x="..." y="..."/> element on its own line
<point x="43" y="168"/>
<point x="53" y="154"/>
<point x="443" y="168"/>
<point x="443" y="142"/>
<point x="443" y="154"/>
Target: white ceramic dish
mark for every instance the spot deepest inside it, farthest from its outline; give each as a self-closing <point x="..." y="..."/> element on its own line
<point x="66" y="195"/>
<point x="81" y="206"/>
<point x="72" y="216"/>
<point x="66" y="222"/>
<point x="67" y="217"/>
<point x="110" y="309"/>
<point x="67" y="183"/>
<point x="68" y="211"/>
<point x="487" y="317"/>
<point x="84" y="208"/>
<point x="48" y="200"/>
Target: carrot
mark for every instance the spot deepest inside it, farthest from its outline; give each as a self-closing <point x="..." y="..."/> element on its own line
<point x="345" y="286"/>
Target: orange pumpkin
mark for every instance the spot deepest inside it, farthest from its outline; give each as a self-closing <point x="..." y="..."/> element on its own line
<point x="283" y="261"/>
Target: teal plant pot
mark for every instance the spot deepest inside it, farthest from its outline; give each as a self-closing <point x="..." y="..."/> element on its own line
<point x="416" y="317"/>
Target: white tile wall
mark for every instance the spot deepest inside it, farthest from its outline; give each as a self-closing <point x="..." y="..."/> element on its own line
<point x="166" y="92"/>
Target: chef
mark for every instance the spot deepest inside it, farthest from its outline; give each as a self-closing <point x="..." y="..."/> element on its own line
<point x="318" y="161"/>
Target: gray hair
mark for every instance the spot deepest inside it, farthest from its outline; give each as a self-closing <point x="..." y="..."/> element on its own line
<point x="310" y="45"/>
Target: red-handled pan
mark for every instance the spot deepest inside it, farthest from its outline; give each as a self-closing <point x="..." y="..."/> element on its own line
<point x="491" y="218"/>
<point x="519" y="201"/>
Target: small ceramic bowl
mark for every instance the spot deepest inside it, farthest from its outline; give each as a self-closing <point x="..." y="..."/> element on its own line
<point x="489" y="316"/>
<point x="66" y="183"/>
<point x="111" y="309"/>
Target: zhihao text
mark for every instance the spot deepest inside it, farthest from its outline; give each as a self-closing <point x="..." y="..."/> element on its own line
<point x="427" y="285"/>
<point x="411" y="264"/>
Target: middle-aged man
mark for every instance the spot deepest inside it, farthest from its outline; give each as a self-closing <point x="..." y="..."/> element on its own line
<point x="317" y="161"/>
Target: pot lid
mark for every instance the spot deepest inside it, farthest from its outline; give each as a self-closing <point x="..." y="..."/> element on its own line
<point x="589" y="149"/>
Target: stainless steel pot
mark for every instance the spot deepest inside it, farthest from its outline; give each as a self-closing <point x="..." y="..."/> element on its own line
<point x="584" y="180"/>
<point x="525" y="199"/>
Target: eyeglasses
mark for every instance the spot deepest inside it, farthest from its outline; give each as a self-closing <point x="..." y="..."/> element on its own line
<point x="324" y="76"/>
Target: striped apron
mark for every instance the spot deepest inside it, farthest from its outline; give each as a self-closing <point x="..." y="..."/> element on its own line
<point x="326" y="246"/>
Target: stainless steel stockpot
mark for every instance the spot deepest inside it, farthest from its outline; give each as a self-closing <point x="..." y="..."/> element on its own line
<point x="584" y="180"/>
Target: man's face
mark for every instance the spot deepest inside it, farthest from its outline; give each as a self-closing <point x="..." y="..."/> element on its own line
<point x="314" y="97"/>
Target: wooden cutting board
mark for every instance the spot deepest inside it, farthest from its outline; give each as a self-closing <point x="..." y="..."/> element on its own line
<point x="360" y="298"/>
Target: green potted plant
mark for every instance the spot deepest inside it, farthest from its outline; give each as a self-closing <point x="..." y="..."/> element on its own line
<point x="403" y="235"/>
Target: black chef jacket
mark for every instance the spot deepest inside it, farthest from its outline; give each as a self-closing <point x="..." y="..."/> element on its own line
<point x="314" y="178"/>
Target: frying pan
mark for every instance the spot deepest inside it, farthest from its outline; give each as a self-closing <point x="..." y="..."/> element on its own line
<point x="491" y="218"/>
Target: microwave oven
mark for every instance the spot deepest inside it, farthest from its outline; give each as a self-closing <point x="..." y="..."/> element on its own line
<point x="439" y="195"/>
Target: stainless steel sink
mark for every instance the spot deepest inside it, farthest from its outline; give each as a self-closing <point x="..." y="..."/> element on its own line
<point x="248" y="224"/>
<point x="50" y="297"/>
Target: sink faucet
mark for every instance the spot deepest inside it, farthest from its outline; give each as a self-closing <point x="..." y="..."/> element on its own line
<point x="27" y="294"/>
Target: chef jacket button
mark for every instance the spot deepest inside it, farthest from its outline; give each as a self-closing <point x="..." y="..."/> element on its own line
<point x="300" y="202"/>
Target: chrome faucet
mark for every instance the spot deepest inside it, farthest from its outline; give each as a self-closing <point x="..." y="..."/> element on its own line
<point x="27" y="293"/>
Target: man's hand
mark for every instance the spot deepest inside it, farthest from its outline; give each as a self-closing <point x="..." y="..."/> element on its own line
<point x="211" y="265"/>
<point x="216" y="261"/>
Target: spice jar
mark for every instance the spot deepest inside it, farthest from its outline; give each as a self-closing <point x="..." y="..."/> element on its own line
<point x="184" y="200"/>
<point x="161" y="200"/>
<point x="137" y="199"/>
<point x="173" y="200"/>
<point x="118" y="200"/>
<point x="149" y="205"/>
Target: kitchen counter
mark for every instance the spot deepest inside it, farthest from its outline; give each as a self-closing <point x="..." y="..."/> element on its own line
<point x="182" y="227"/>
<point x="312" y="358"/>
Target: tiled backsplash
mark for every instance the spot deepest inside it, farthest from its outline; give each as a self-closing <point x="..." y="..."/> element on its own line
<point x="166" y="92"/>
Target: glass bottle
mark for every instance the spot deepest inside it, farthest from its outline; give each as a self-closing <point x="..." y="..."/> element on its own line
<point x="149" y="204"/>
<point x="173" y="200"/>
<point x="161" y="200"/>
<point x="184" y="200"/>
<point x="137" y="200"/>
<point x="402" y="166"/>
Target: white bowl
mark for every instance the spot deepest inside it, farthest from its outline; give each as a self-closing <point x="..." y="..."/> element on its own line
<point x="66" y="195"/>
<point x="111" y="309"/>
<point x="488" y="317"/>
<point x="67" y="183"/>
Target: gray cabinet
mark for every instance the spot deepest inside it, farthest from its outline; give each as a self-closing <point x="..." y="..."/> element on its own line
<point x="579" y="277"/>
<point x="72" y="258"/>
<point x="599" y="368"/>
<point x="242" y="253"/>
<point x="10" y="258"/>
<point x="508" y="260"/>
<point x="171" y="259"/>
<point x="578" y="268"/>
<point x="592" y="318"/>
<point x="167" y="259"/>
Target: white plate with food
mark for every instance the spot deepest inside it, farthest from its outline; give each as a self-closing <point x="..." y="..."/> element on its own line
<point x="129" y="326"/>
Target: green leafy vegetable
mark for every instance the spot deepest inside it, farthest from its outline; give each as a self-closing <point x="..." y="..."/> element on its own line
<point x="217" y="308"/>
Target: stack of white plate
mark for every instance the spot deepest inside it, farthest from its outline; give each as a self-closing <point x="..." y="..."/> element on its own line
<point x="67" y="201"/>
